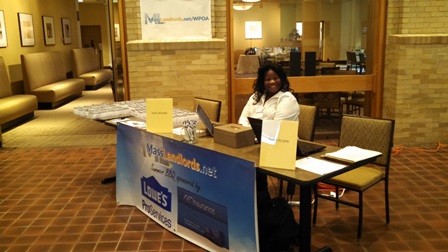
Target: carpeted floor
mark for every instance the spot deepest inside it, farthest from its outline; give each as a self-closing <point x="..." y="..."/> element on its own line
<point x="61" y="128"/>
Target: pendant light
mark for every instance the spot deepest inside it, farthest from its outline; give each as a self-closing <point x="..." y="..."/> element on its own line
<point x="240" y="6"/>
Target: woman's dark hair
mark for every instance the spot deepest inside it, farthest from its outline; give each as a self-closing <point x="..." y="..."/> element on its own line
<point x="258" y="85"/>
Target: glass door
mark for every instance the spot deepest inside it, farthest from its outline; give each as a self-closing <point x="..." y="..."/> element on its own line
<point x="118" y="49"/>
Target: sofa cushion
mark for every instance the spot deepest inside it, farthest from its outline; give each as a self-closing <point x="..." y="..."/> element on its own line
<point x="40" y="69"/>
<point x="15" y="106"/>
<point x="97" y="76"/>
<point x="59" y="90"/>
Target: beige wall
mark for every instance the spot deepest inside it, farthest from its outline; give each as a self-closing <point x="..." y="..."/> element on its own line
<point x="54" y="8"/>
<point x="416" y="83"/>
<point x="269" y="16"/>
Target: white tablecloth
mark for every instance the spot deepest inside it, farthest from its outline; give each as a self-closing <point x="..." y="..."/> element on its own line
<point x="248" y="64"/>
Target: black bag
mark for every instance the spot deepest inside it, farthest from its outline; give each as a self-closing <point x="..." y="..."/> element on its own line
<point x="277" y="228"/>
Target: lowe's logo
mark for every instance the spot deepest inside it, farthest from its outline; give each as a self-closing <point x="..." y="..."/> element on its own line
<point x="158" y="194"/>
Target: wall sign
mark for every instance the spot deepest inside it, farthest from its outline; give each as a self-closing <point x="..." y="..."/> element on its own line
<point x="189" y="20"/>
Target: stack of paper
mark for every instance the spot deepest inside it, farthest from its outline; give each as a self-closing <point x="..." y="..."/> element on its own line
<point x="317" y="166"/>
<point x="352" y="154"/>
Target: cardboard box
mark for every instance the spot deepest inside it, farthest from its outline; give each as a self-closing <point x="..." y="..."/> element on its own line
<point x="234" y="135"/>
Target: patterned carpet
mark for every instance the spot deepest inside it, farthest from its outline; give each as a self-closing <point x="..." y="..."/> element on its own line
<point x="61" y="128"/>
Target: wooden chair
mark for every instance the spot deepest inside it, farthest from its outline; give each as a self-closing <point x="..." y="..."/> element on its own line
<point x="304" y="98"/>
<point x="354" y="61"/>
<point x="211" y="107"/>
<point x="328" y="104"/>
<point x="356" y="103"/>
<point x="240" y="102"/>
<point x="367" y="133"/>
<point x="353" y="101"/>
<point x="362" y="63"/>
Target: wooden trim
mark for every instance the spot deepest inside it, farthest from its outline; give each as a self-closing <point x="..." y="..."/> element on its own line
<point x="308" y="84"/>
<point x="230" y="60"/>
<point x="379" y="49"/>
<point x="124" y="50"/>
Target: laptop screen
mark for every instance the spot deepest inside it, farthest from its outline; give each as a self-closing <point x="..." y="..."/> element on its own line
<point x="205" y="120"/>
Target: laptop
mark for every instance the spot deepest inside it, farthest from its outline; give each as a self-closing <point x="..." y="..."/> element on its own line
<point x="304" y="148"/>
<point x="205" y="120"/>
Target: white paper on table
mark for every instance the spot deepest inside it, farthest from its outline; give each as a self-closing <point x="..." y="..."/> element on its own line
<point x="318" y="166"/>
<point x="352" y="154"/>
<point x="270" y="131"/>
<point x="135" y="124"/>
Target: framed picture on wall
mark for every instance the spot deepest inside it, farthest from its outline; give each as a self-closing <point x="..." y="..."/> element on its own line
<point x="253" y="30"/>
<point x="26" y="29"/>
<point x="66" y="31"/>
<point x="48" y="27"/>
<point x="3" y="40"/>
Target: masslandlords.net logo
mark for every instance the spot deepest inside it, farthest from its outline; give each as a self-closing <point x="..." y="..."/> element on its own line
<point x="156" y="19"/>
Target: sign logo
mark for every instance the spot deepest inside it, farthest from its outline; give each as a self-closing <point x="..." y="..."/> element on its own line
<point x="156" y="193"/>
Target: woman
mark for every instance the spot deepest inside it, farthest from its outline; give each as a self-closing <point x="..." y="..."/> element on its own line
<point x="272" y="99"/>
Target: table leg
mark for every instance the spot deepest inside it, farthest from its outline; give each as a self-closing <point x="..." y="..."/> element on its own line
<point x="108" y="180"/>
<point x="305" y="218"/>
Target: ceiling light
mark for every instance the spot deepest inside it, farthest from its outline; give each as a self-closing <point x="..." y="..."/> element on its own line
<point x="251" y="1"/>
<point x="242" y="6"/>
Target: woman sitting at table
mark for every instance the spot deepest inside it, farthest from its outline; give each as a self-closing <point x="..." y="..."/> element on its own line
<point x="273" y="100"/>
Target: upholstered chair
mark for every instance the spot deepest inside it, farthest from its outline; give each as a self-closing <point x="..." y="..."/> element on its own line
<point x="366" y="133"/>
<point x="211" y="107"/>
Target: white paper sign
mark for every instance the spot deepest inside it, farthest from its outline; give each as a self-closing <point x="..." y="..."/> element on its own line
<point x="175" y="19"/>
<point x="270" y="132"/>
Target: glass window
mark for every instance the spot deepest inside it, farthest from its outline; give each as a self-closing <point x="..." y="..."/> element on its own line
<point x="331" y="28"/>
